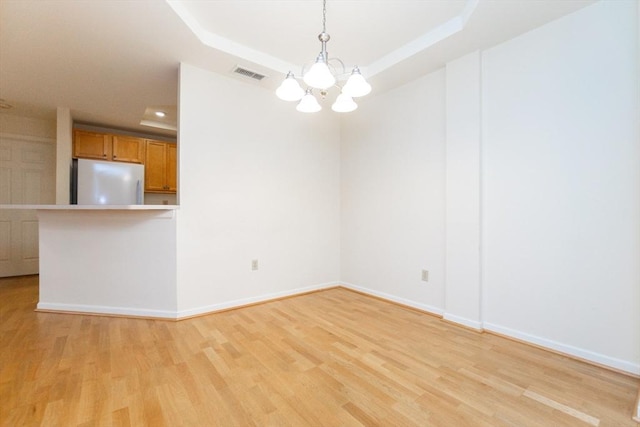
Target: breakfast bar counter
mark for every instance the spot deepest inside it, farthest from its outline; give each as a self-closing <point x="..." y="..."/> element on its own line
<point x="114" y="260"/>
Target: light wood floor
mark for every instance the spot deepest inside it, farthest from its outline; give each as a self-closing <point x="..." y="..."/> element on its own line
<point x="332" y="358"/>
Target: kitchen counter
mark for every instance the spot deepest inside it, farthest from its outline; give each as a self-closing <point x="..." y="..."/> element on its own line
<point x="116" y="260"/>
<point x="93" y="207"/>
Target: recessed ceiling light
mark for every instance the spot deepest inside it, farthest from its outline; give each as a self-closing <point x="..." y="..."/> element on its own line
<point x="159" y="116"/>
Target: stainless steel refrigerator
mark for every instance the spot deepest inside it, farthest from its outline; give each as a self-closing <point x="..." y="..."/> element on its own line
<point x="97" y="182"/>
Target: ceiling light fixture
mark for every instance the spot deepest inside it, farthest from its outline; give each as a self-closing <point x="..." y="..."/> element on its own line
<point x="160" y="113"/>
<point x="323" y="75"/>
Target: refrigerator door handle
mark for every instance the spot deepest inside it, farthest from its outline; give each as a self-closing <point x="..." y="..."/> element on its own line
<point x="138" y="193"/>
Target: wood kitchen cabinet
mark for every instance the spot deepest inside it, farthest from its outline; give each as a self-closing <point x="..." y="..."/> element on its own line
<point x="128" y="149"/>
<point x="92" y="145"/>
<point x="105" y="146"/>
<point x="160" y="171"/>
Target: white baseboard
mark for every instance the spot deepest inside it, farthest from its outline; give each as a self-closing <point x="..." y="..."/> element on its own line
<point x="175" y="315"/>
<point x="600" y="359"/>
<point x="622" y="365"/>
<point x="424" y="307"/>
<point x="612" y="362"/>
<point x="473" y="324"/>
<point x="197" y="311"/>
<point x="105" y="310"/>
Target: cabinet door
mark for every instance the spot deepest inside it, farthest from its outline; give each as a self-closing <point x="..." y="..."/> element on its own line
<point x="155" y="166"/>
<point x="91" y="145"/>
<point x="128" y="149"/>
<point x="172" y="164"/>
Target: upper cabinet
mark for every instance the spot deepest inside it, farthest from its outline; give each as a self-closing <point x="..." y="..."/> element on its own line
<point x="92" y="145"/>
<point x="160" y="167"/>
<point x="172" y="167"/>
<point x="128" y="149"/>
<point x="104" y="146"/>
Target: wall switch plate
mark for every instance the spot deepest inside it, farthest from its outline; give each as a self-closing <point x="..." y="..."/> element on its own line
<point x="425" y="275"/>
<point x="254" y="264"/>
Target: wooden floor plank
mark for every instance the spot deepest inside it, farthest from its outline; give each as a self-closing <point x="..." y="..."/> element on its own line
<point x="331" y="358"/>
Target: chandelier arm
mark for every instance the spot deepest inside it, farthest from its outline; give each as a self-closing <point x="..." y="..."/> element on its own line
<point x="336" y="71"/>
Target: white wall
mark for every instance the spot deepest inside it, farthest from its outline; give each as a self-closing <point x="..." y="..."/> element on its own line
<point x="392" y="171"/>
<point x="258" y="180"/>
<point x="462" y="197"/>
<point x="562" y="185"/>
<point x="29" y="126"/>
<point x="160" y="199"/>
<point x="542" y="171"/>
<point x="64" y="147"/>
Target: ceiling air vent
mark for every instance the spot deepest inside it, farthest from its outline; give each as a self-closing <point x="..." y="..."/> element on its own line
<point x="248" y="73"/>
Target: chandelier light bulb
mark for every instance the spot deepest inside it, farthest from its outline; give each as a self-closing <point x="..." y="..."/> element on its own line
<point x="319" y="76"/>
<point x="308" y="103"/>
<point x="356" y="85"/>
<point x="344" y="104"/>
<point x="290" y="89"/>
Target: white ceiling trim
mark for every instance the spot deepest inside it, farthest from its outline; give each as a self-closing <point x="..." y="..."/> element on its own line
<point x="226" y="45"/>
<point x="425" y="41"/>
<point x="158" y="125"/>
<point x="441" y="32"/>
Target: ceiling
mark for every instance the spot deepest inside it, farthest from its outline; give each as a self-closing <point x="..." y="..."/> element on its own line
<point x="109" y="61"/>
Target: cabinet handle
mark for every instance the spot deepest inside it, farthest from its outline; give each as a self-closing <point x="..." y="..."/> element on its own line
<point x="114" y="156"/>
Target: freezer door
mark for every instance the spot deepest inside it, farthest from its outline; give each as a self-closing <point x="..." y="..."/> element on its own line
<point x="110" y="183"/>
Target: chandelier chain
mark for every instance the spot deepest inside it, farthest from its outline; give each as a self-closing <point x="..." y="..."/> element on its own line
<point x="324" y="16"/>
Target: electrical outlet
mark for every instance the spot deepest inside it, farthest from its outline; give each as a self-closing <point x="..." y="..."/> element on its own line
<point x="254" y="264"/>
<point x="425" y="275"/>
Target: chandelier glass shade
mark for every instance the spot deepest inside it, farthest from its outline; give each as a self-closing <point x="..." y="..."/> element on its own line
<point x="323" y="75"/>
<point x="356" y="85"/>
<point x="344" y="104"/>
<point x="290" y="89"/>
<point x="308" y="103"/>
<point x="319" y="76"/>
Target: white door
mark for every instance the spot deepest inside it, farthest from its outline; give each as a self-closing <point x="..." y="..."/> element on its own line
<point x="27" y="176"/>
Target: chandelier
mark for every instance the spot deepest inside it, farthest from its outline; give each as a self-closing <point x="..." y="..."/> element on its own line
<point x="323" y="75"/>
